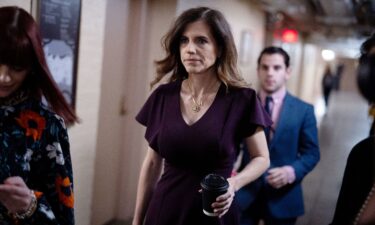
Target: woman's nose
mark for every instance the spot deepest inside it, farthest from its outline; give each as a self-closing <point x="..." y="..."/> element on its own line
<point x="4" y="74"/>
<point x="191" y="48"/>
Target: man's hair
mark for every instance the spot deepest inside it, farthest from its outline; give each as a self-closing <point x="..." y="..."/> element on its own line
<point x="275" y="50"/>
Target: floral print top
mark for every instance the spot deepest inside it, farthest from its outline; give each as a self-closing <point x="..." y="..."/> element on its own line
<point x="34" y="145"/>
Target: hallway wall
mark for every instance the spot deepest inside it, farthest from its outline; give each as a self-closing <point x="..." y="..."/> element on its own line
<point x="311" y="73"/>
<point x="348" y="79"/>
<point x="83" y="135"/>
<point x="111" y="114"/>
<point x="147" y="21"/>
<point x="25" y="4"/>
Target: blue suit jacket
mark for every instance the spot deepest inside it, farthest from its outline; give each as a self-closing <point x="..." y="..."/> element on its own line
<point x="294" y="143"/>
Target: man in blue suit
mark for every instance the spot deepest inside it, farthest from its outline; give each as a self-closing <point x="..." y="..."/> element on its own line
<point x="276" y="197"/>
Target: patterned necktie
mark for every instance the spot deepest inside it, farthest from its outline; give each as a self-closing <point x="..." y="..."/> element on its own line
<point x="267" y="108"/>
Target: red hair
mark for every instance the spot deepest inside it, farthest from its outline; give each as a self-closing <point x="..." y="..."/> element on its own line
<point x="21" y="47"/>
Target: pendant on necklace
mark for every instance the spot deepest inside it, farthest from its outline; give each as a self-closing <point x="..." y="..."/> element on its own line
<point x="196" y="108"/>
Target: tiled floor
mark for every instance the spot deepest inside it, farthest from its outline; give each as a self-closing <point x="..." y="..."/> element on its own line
<point x="345" y="123"/>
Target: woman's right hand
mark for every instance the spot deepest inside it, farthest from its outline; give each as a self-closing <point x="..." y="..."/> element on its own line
<point x="223" y="202"/>
<point x="15" y="195"/>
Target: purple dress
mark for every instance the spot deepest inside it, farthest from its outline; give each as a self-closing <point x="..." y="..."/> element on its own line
<point x="193" y="151"/>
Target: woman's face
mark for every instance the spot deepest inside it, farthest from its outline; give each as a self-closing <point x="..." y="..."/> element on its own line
<point x="10" y="79"/>
<point x="198" y="48"/>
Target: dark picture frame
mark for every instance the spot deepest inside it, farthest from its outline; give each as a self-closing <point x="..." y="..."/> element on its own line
<point x="59" y="22"/>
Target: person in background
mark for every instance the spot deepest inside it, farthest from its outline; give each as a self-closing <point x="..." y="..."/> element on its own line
<point x="276" y="197"/>
<point x="356" y="201"/>
<point x="328" y="83"/>
<point x="338" y="77"/>
<point x="194" y="123"/>
<point x="36" y="182"/>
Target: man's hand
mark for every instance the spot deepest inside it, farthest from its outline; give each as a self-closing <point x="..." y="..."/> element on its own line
<point x="280" y="176"/>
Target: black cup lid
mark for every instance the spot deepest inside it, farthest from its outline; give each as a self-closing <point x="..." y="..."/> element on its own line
<point x="214" y="182"/>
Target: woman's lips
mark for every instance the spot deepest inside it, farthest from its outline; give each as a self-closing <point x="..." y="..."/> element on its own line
<point x="5" y="87"/>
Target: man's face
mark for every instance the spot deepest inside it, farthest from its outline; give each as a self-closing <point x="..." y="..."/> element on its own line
<point x="272" y="72"/>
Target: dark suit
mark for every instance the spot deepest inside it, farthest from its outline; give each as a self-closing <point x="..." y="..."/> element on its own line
<point x="294" y="143"/>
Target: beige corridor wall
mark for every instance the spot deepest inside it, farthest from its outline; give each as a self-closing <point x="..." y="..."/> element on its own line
<point x="311" y="71"/>
<point x="83" y="136"/>
<point x="108" y="163"/>
<point x="25" y="4"/>
<point x="148" y="21"/>
<point x="348" y="78"/>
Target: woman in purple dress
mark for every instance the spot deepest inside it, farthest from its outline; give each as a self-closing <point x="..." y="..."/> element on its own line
<point x="194" y="124"/>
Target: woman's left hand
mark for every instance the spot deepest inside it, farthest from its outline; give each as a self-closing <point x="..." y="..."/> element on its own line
<point x="223" y="202"/>
<point x="15" y="195"/>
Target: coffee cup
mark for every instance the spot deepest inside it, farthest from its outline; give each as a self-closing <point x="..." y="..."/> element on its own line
<point x="213" y="185"/>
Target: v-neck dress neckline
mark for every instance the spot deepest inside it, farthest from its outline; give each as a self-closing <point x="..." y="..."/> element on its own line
<point x="205" y="114"/>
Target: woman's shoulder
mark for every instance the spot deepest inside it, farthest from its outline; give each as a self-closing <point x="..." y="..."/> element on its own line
<point x="166" y="88"/>
<point x="160" y="94"/>
<point x="244" y="93"/>
<point x="169" y="86"/>
<point x="35" y="115"/>
<point x="47" y="114"/>
<point x="363" y="149"/>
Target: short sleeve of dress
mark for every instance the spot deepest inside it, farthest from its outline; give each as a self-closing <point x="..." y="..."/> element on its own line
<point x="253" y="115"/>
<point x="150" y="116"/>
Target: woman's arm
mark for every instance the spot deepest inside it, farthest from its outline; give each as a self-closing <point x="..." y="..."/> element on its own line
<point x="258" y="164"/>
<point x="149" y="175"/>
<point x="259" y="155"/>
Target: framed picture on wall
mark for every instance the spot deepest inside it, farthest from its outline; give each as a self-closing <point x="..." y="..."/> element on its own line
<point x="59" y="22"/>
<point x="245" y="47"/>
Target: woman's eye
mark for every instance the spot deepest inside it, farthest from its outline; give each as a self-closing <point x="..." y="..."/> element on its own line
<point x="183" y="40"/>
<point x="201" y="41"/>
<point x="17" y="68"/>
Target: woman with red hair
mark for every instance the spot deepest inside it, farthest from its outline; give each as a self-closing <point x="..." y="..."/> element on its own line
<point x="36" y="183"/>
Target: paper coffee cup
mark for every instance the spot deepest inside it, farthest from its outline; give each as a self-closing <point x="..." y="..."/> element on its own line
<point x="213" y="185"/>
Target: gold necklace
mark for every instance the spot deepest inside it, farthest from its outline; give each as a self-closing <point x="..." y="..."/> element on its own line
<point x="196" y="104"/>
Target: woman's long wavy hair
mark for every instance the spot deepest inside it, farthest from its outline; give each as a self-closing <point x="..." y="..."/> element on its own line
<point x="226" y="63"/>
<point x="21" y="47"/>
